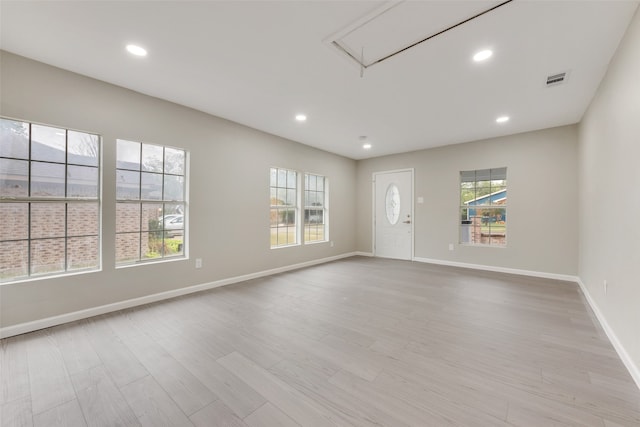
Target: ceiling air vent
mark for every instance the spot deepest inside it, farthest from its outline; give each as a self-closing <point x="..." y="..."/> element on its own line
<point x="556" y="79"/>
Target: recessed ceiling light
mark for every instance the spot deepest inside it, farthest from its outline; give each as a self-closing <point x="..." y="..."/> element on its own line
<point x="482" y="55"/>
<point x="136" y="50"/>
<point x="366" y="146"/>
<point x="502" y="119"/>
<point x="301" y="117"/>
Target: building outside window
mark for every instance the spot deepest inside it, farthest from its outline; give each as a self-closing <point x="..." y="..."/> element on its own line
<point x="151" y="203"/>
<point x="49" y="201"/>
<point x="483" y="207"/>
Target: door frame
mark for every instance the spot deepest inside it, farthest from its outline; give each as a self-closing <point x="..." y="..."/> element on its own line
<point x="373" y="208"/>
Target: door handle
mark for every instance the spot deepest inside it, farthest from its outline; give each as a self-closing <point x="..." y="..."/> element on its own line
<point x="407" y="221"/>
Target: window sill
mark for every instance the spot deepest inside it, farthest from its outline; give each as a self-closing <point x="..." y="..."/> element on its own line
<point x="480" y="245"/>
<point x="293" y="245"/>
<point x="152" y="262"/>
<point x="316" y="242"/>
<point x="50" y="276"/>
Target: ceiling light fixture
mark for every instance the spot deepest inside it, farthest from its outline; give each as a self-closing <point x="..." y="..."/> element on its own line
<point x="366" y="146"/>
<point x="136" y="50"/>
<point x="502" y="119"/>
<point x="301" y="117"/>
<point x="482" y="55"/>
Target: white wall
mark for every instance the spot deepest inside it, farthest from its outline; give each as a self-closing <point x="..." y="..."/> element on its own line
<point x="229" y="189"/>
<point x="542" y="228"/>
<point x="609" y="166"/>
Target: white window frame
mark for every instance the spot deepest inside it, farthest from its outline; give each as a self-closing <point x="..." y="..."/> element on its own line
<point x="471" y="227"/>
<point x="324" y="209"/>
<point x="67" y="200"/>
<point x="278" y="207"/>
<point x="163" y="203"/>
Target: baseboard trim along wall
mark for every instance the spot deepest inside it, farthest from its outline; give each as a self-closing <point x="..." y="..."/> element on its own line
<point x="370" y="254"/>
<point x="633" y="369"/>
<point x="23" y="328"/>
<point x="531" y="273"/>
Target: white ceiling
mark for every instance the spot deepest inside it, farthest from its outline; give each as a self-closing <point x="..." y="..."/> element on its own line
<point x="260" y="63"/>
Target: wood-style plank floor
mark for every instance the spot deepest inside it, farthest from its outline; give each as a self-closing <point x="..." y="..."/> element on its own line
<point x="356" y="342"/>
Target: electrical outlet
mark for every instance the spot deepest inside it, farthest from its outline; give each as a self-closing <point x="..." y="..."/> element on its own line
<point x="450" y="246"/>
<point x="198" y="262"/>
<point x="606" y="286"/>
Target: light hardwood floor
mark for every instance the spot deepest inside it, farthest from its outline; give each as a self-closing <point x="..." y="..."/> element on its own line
<point x="360" y="342"/>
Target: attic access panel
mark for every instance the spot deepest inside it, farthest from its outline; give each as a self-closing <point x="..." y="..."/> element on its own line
<point x="398" y="26"/>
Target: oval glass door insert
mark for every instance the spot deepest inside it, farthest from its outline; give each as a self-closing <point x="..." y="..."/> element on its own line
<point x="392" y="204"/>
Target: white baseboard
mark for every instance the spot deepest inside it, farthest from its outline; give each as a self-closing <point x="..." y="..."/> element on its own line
<point x="532" y="273"/>
<point x="23" y="328"/>
<point x="633" y="369"/>
<point x="370" y="254"/>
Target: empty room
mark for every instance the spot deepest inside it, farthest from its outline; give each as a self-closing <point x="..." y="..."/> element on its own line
<point x="318" y="213"/>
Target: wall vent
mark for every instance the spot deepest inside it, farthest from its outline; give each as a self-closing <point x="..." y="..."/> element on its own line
<point x="556" y="79"/>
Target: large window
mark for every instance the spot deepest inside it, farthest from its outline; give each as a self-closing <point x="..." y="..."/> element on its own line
<point x="483" y="207"/>
<point x="284" y="207"/>
<point x="49" y="200"/>
<point x="315" y="208"/>
<point x="151" y="202"/>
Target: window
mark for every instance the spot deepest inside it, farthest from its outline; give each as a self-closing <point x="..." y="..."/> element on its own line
<point x="315" y="209"/>
<point x="49" y="200"/>
<point x="483" y="207"/>
<point x="284" y="207"/>
<point x="151" y="202"/>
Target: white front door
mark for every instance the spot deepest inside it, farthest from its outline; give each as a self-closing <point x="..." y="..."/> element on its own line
<point x="393" y="214"/>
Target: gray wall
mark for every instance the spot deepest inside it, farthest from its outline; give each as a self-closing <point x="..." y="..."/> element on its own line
<point x="610" y="194"/>
<point x="542" y="228"/>
<point x="229" y="189"/>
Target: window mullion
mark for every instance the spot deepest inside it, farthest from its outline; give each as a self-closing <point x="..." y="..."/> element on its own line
<point x="485" y="213"/>
<point x="45" y="261"/>
<point x="154" y="238"/>
<point x="29" y="242"/>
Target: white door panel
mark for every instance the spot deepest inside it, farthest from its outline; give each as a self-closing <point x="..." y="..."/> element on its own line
<point x="393" y="207"/>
